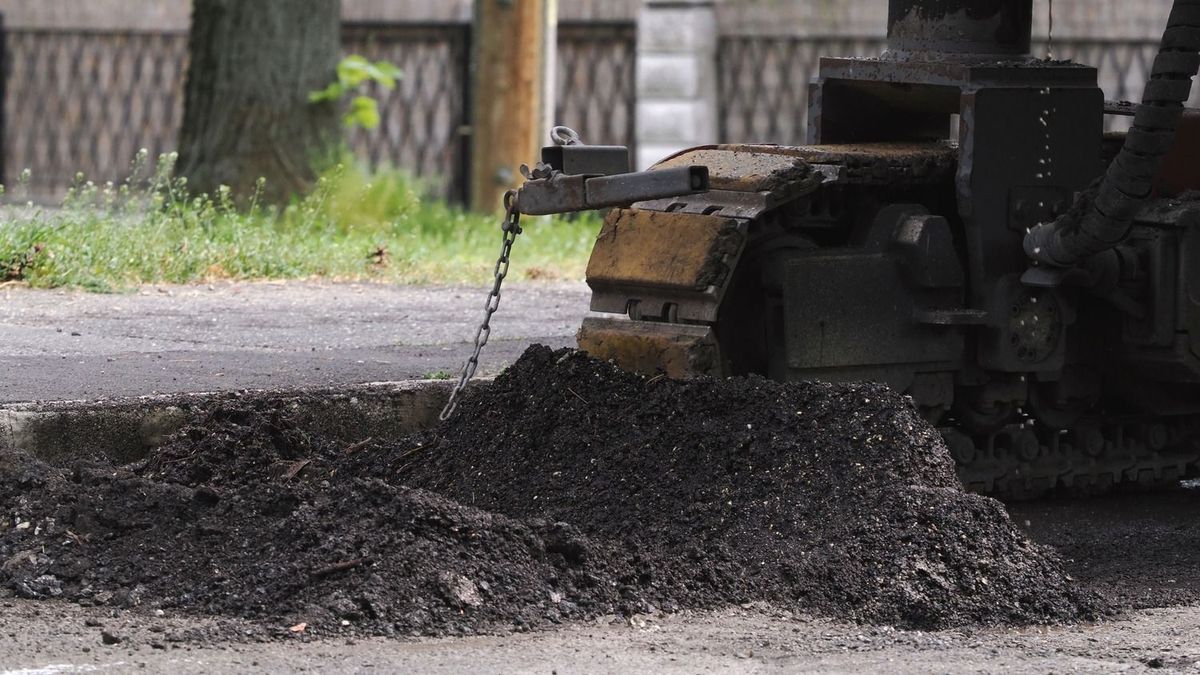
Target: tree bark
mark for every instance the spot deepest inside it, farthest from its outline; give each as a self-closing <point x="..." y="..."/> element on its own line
<point x="246" y="109"/>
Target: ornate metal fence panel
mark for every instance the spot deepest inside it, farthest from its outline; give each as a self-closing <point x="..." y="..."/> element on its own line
<point x="763" y="81"/>
<point x="85" y="103"/>
<point x="1123" y="66"/>
<point x="597" y="91"/>
<point x="424" y="119"/>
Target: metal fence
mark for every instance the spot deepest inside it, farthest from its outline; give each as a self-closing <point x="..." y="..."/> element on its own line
<point x="597" y="89"/>
<point x="763" y="82"/>
<point x="424" y="120"/>
<point x="85" y="102"/>
<point x="1123" y="65"/>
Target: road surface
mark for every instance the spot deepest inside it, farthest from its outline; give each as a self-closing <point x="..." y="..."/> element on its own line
<point x="74" y="345"/>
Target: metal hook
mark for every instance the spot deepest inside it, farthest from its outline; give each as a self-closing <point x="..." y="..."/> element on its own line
<point x="565" y="136"/>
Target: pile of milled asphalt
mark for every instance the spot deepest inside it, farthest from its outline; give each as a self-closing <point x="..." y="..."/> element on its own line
<point x="834" y="499"/>
<point x="566" y="489"/>
<point x="246" y="516"/>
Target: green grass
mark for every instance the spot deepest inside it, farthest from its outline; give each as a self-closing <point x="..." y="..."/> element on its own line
<point x="355" y="225"/>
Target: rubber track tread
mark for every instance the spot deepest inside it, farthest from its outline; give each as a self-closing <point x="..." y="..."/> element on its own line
<point x="1167" y="91"/>
<point x="1181" y="64"/>
<point x="1184" y="38"/>
<point x="1157" y="117"/>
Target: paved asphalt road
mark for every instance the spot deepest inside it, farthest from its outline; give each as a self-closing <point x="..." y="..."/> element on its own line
<point x="70" y="345"/>
<point x="51" y="638"/>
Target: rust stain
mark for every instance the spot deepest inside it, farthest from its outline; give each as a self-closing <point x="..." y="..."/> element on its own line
<point x="782" y="170"/>
<point x="663" y="250"/>
<point x="676" y="351"/>
<point x="740" y="170"/>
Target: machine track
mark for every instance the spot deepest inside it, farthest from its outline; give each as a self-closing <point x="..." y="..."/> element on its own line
<point x="1024" y="461"/>
<point x="681" y="327"/>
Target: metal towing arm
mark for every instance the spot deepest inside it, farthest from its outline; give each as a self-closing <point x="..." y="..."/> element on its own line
<point x="572" y="177"/>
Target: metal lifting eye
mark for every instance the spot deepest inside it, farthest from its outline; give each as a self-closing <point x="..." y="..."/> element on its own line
<point x="565" y="136"/>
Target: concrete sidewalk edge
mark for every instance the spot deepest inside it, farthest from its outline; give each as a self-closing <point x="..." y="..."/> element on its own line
<point x="126" y="429"/>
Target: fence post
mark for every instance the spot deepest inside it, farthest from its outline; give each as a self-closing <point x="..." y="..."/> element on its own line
<point x="676" y="77"/>
<point x="514" y="66"/>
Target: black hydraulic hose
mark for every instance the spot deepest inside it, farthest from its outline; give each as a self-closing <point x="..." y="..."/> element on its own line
<point x="1102" y="219"/>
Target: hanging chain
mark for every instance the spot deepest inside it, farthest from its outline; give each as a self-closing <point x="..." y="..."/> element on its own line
<point x="1050" y="32"/>
<point x="511" y="228"/>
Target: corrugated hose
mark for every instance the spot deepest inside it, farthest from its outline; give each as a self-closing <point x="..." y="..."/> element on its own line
<point x="1103" y="217"/>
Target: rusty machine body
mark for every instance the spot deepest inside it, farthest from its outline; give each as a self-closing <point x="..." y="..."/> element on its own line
<point x="959" y="227"/>
<point x="1031" y="282"/>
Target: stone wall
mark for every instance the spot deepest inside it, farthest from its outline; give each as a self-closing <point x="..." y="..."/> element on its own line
<point x="165" y="15"/>
<point x="809" y="17"/>
<point x="679" y="52"/>
<point x="1124" y="19"/>
<point x="162" y="15"/>
<point x="1072" y="18"/>
<point x="677" y="90"/>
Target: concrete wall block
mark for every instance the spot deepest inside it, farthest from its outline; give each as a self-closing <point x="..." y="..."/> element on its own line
<point x="677" y="29"/>
<point x="650" y="154"/>
<point x="407" y="10"/>
<point x="174" y="15"/>
<point x="1078" y="19"/>
<point x="677" y="103"/>
<point x="672" y="75"/>
<point x="678" y="121"/>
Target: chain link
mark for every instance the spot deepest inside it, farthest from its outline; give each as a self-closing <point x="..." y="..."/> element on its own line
<point x="511" y="228"/>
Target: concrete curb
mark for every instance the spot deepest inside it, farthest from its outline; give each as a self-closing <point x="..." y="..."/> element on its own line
<point x="126" y="429"/>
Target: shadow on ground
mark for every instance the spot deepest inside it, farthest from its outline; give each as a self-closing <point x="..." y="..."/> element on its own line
<point x="1139" y="550"/>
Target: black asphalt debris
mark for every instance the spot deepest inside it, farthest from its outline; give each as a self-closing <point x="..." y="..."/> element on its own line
<point x="567" y="489"/>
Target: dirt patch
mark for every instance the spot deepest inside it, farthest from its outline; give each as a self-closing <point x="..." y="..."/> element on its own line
<point x="837" y="499"/>
<point x="830" y="499"/>
<point x="247" y="516"/>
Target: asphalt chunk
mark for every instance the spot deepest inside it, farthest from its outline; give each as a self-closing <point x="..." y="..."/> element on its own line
<point x="565" y="490"/>
<point x="837" y="499"/>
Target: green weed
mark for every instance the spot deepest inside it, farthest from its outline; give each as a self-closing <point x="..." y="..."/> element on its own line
<point x="355" y="225"/>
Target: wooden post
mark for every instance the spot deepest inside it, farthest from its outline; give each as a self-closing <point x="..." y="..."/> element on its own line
<point x="515" y="44"/>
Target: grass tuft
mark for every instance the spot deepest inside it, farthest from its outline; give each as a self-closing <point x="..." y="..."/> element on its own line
<point x="355" y="225"/>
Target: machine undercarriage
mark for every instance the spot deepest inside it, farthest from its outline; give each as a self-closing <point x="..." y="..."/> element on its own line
<point x="897" y="247"/>
<point x="829" y="263"/>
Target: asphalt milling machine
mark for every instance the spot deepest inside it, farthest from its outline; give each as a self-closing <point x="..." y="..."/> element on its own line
<point x="959" y="226"/>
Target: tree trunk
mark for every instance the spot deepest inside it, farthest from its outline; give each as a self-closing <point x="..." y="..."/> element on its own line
<point x="246" y="109"/>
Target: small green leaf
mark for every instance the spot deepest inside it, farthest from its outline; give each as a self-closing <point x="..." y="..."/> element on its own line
<point x="333" y="92"/>
<point x="353" y="71"/>
<point x="385" y="74"/>
<point x="363" y="112"/>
